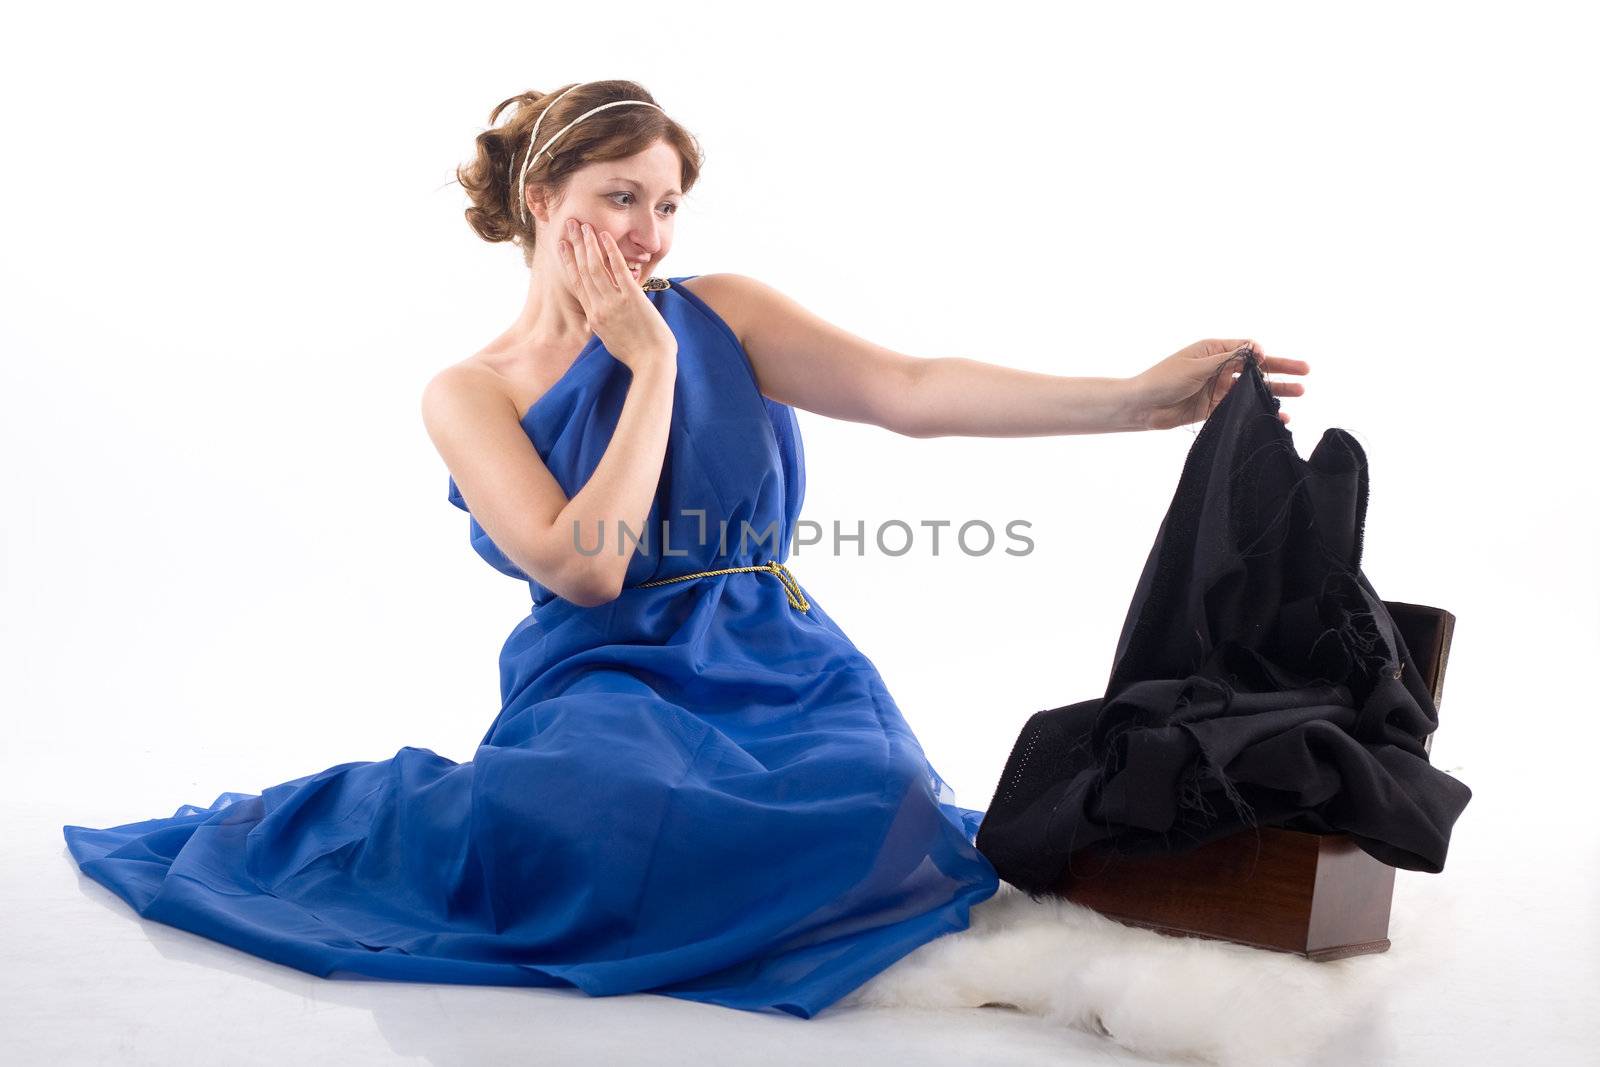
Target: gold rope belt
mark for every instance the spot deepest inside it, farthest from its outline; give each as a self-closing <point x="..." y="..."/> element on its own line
<point x="796" y="599"/>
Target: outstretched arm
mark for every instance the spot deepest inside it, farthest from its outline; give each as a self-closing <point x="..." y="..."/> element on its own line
<point x="803" y="360"/>
<point x="956" y="396"/>
<point x="953" y="396"/>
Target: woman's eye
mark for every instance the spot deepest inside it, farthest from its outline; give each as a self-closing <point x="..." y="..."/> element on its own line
<point x="674" y="207"/>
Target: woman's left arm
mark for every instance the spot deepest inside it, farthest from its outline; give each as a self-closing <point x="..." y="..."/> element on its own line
<point x="805" y="361"/>
<point x="954" y="395"/>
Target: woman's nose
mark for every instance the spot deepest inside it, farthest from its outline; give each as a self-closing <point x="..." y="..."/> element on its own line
<point x="648" y="237"/>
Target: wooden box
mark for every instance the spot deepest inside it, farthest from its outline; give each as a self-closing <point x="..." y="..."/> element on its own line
<point x="1318" y="895"/>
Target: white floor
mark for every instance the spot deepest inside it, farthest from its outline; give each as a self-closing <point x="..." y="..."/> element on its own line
<point x="1499" y="955"/>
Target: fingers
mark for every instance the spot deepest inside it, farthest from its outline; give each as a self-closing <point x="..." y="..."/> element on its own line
<point x="591" y="257"/>
<point x="574" y="275"/>
<point x="568" y="258"/>
<point x="613" y="256"/>
<point x="577" y="254"/>
<point x="580" y="251"/>
<point x="1280" y="365"/>
<point x="593" y="263"/>
<point x="1268" y="364"/>
<point x="597" y="258"/>
<point x="1219" y="350"/>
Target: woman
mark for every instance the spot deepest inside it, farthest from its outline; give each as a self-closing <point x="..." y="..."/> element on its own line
<point x="696" y="784"/>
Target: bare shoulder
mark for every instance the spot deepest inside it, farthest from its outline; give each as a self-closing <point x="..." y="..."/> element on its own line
<point x="801" y="359"/>
<point x="466" y="389"/>
<point x="739" y="299"/>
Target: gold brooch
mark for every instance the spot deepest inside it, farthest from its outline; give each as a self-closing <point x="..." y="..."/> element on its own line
<point x="655" y="284"/>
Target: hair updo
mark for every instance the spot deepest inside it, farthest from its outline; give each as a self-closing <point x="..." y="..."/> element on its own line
<point x="615" y="133"/>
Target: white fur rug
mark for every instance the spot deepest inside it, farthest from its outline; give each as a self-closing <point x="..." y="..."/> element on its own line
<point x="1164" y="997"/>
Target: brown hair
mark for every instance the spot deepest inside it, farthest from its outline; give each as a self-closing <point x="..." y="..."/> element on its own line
<point x="615" y="133"/>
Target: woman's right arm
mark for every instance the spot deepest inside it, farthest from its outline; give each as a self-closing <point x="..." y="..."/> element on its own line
<point x="518" y="502"/>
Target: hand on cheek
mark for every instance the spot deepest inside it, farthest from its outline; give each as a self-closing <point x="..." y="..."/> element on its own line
<point x="571" y="246"/>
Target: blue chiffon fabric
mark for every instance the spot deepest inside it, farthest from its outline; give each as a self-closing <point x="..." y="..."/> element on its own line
<point x="700" y="789"/>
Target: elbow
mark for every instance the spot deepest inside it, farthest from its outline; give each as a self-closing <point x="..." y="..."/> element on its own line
<point x="905" y="420"/>
<point x="591" y="590"/>
<point x="583" y="580"/>
<point x="586" y="580"/>
<point x="905" y="411"/>
<point x="908" y="429"/>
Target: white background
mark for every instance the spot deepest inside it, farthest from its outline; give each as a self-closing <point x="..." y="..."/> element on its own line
<point x="234" y="253"/>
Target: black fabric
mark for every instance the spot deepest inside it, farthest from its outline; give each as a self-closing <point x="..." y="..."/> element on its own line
<point x="1258" y="681"/>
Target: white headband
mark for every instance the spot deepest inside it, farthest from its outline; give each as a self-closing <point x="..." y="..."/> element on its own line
<point x="527" y="164"/>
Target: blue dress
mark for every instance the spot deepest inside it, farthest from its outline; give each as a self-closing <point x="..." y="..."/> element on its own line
<point x="700" y="789"/>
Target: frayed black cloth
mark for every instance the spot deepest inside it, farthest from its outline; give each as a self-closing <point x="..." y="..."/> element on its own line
<point x="1259" y="680"/>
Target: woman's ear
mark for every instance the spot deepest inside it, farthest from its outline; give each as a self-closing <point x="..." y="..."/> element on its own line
<point x="537" y="207"/>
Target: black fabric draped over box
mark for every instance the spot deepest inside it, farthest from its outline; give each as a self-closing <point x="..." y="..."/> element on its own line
<point x="1258" y="681"/>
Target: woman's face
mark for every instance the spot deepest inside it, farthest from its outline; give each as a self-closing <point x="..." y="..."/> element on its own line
<point x="635" y="200"/>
